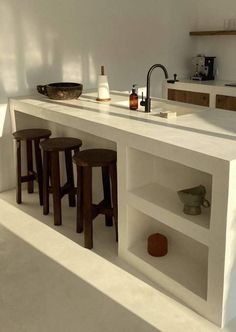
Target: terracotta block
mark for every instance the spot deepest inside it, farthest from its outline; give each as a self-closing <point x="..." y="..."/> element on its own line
<point x="157" y="245"/>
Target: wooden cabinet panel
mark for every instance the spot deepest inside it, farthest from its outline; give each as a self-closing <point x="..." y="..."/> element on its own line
<point x="196" y="98"/>
<point x="177" y="95"/>
<point x="226" y="102"/>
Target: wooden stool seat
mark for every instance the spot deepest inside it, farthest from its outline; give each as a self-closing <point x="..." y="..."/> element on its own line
<point x="95" y="157"/>
<point x="86" y="210"/>
<point x="51" y="149"/>
<point x="30" y="136"/>
<point x="61" y="144"/>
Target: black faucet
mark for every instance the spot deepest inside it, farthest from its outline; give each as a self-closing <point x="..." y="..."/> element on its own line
<point x="147" y="101"/>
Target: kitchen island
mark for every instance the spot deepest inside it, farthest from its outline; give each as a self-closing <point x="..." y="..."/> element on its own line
<point x="156" y="158"/>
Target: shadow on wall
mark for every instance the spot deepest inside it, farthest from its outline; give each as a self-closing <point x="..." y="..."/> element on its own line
<point x="36" y="48"/>
<point x="45" y="42"/>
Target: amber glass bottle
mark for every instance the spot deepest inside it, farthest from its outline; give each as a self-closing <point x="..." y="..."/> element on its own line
<point x="133" y="99"/>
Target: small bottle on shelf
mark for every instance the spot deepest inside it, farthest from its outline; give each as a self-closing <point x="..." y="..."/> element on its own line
<point x="133" y="99"/>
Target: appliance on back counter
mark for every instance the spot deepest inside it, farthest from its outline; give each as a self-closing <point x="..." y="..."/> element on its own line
<point x="204" y="68"/>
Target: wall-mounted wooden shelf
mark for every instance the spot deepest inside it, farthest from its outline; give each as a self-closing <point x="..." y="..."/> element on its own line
<point x="213" y="33"/>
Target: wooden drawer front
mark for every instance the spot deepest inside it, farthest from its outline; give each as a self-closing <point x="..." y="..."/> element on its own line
<point x="196" y="98"/>
<point x="226" y="102"/>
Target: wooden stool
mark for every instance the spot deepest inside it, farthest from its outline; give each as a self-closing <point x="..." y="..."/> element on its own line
<point x="29" y="136"/>
<point x="86" y="210"/>
<point x="51" y="149"/>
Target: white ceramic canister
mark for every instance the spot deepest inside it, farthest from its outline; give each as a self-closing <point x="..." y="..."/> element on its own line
<point x="103" y="87"/>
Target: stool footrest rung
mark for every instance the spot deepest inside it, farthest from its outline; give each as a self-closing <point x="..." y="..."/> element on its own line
<point x="101" y="208"/>
<point x="67" y="188"/>
<point x="27" y="178"/>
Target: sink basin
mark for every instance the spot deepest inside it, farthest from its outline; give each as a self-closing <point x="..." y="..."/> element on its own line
<point x="125" y="104"/>
<point x="162" y="105"/>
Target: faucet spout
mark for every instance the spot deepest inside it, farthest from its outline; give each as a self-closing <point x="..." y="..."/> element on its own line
<point x="147" y="102"/>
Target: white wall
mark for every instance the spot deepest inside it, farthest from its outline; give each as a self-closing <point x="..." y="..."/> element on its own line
<point x="48" y="41"/>
<point x="211" y="16"/>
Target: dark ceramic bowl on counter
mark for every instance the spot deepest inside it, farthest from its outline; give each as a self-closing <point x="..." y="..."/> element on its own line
<point x="61" y="90"/>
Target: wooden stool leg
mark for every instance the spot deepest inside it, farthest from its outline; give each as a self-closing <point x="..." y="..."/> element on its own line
<point x="113" y="175"/>
<point x="29" y="154"/>
<point x="70" y="177"/>
<point x="79" y="219"/>
<point x="38" y="160"/>
<point x="56" y="189"/>
<point x="18" y="172"/>
<point x="87" y="211"/>
<point x="45" y="183"/>
<point x="107" y="193"/>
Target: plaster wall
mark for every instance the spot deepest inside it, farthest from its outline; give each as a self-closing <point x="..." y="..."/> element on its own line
<point x="211" y="16"/>
<point x="48" y="41"/>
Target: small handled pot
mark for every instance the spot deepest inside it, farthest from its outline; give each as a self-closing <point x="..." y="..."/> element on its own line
<point x="42" y="89"/>
<point x="193" y="199"/>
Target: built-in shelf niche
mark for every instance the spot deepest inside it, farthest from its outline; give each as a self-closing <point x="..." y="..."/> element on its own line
<point x="186" y="262"/>
<point x="153" y="183"/>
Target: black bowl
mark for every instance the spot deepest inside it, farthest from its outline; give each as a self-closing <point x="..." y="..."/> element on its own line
<point x="61" y="91"/>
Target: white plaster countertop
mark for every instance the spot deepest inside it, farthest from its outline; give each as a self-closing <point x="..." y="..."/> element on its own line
<point x="202" y="130"/>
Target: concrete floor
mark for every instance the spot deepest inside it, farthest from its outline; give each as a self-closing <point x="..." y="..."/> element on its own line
<point x="49" y="282"/>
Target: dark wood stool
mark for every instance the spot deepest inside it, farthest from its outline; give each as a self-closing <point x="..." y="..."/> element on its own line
<point x="51" y="165"/>
<point x="86" y="210"/>
<point x="30" y="136"/>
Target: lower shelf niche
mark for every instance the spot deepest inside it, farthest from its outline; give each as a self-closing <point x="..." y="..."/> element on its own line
<point x="186" y="261"/>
